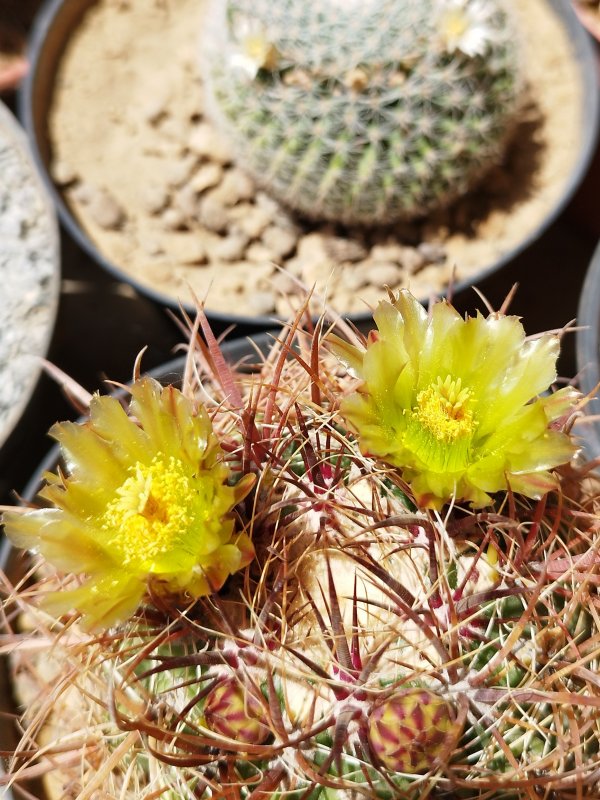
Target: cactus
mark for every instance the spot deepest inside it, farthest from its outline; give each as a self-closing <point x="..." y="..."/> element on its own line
<point x="383" y="642"/>
<point x="363" y="112"/>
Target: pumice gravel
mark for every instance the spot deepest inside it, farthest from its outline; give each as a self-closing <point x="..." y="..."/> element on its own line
<point x="29" y="273"/>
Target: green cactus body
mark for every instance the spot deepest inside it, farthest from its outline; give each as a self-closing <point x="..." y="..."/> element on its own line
<point x="364" y="112"/>
<point x="374" y="649"/>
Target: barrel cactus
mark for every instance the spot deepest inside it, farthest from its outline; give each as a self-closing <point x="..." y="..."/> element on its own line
<point x="379" y="581"/>
<point x="364" y="112"/>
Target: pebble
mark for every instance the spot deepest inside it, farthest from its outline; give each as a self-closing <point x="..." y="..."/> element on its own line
<point x="250" y="220"/>
<point x="81" y="193"/>
<point x="313" y="247"/>
<point x="369" y="297"/>
<point x="156" y="105"/>
<point x="165" y="149"/>
<point x="285" y="305"/>
<point x="212" y="214"/>
<point x="341" y="249"/>
<point x="284" y="283"/>
<point x="179" y="172"/>
<point x="194" y="252"/>
<point x="432" y="252"/>
<point x="236" y="186"/>
<point x="150" y="246"/>
<point x="175" y="129"/>
<point x="412" y="260"/>
<point x="279" y="241"/>
<point x="315" y="272"/>
<point x="186" y="201"/>
<point x="258" y="253"/>
<point x="154" y="199"/>
<point x="381" y="274"/>
<point x="356" y="275"/>
<point x="160" y="271"/>
<point x="266" y="202"/>
<point x="262" y="303"/>
<point x="204" y="140"/>
<point x="229" y="248"/>
<point x="105" y="210"/>
<point x="207" y="176"/>
<point x="393" y="253"/>
<point x="172" y="219"/>
<point x="63" y="173"/>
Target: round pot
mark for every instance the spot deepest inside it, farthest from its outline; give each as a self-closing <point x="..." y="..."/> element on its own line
<point x="61" y="19"/>
<point x="588" y="355"/>
<point x="14" y="562"/>
<point x="30" y="270"/>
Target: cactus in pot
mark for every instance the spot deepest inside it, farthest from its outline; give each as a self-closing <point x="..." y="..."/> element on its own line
<point x="364" y="113"/>
<point x="366" y="570"/>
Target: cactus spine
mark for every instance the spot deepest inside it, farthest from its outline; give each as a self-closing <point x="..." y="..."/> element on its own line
<point x="373" y="649"/>
<point x="364" y="112"/>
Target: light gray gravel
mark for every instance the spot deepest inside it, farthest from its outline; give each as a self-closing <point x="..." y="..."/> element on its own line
<point x="29" y="273"/>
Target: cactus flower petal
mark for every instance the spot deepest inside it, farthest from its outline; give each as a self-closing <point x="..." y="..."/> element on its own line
<point x="454" y="402"/>
<point x="145" y="504"/>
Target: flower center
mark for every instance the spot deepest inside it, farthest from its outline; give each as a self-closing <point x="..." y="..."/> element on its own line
<point x="154" y="508"/>
<point x="455" y="23"/>
<point x="259" y="50"/>
<point x="442" y="409"/>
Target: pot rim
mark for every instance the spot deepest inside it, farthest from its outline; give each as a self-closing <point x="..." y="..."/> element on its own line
<point x="583" y="53"/>
<point x="587" y="352"/>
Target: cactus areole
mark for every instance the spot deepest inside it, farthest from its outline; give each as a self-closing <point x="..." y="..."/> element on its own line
<point x="364" y="113"/>
<point x="285" y="584"/>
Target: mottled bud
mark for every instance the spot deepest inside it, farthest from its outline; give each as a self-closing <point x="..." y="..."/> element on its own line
<point x="234" y="711"/>
<point x="409" y="729"/>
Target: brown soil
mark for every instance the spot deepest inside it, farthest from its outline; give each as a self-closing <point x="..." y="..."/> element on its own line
<point x="155" y="189"/>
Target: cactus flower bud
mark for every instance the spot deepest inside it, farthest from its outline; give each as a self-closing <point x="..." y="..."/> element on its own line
<point x="409" y="729"/>
<point x="232" y="710"/>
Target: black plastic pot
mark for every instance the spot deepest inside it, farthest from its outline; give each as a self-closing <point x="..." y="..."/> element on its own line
<point x="59" y="18"/>
<point x="14" y="563"/>
<point x="588" y="355"/>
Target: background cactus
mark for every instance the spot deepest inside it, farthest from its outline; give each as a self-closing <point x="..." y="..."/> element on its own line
<point x="373" y="648"/>
<point x="363" y="112"/>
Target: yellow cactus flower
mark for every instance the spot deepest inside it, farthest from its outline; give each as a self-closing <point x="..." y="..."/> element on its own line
<point x="454" y="402"/>
<point x="145" y="505"/>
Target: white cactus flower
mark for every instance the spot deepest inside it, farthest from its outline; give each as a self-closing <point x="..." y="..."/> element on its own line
<point x="463" y="25"/>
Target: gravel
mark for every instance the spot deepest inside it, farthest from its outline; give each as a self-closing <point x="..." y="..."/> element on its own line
<point x="29" y="274"/>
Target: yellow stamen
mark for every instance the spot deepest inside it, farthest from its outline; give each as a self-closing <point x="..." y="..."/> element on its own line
<point x="455" y="24"/>
<point x="153" y="510"/>
<point x="442" y="408"/>
<point x="264" y="54"/>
